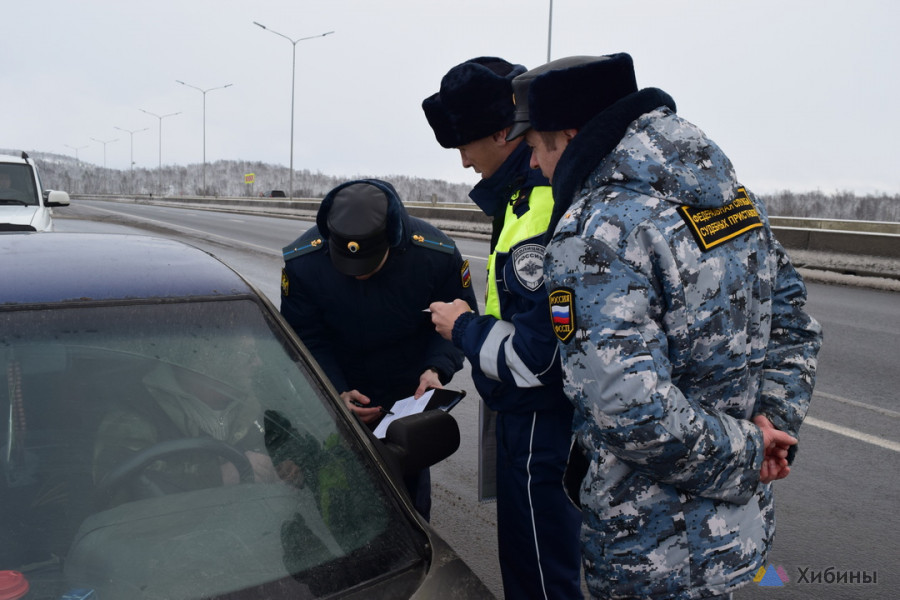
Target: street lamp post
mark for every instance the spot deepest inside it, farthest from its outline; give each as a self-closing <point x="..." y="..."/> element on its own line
<point x="104" y="142"/>
<point x="293" y="79"/>
<point x="549" y="30"/>
<point x="76" y="149"/>
<point x="131" y="134"/>
<point x="160" y="117"/>
<point x="202" y="91"/>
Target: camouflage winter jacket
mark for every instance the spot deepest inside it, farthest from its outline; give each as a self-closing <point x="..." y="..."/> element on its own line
<point x="680" y="317"/>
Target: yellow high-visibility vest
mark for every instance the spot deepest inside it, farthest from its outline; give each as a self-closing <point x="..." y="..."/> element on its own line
<point x="515" y="229"/>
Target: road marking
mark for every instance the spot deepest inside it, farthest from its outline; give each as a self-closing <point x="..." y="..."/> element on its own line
<point x="852" y="433"/>
<point x="884" y="411"/>
<point x="184" y="228"/>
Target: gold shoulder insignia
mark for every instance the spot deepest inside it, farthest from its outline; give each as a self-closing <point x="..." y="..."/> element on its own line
<point x="301" y="247"/>
<point x="441" y="245"/>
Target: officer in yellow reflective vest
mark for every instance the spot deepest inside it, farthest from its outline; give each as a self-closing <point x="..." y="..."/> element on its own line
<point x="512" y="347"/>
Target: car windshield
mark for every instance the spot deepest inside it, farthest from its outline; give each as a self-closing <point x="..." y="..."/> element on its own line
<point x="182" y="450"/>
<point x="17" y="185"/>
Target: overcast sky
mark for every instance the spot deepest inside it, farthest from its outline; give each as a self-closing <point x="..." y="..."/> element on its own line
<point x="801" y="94"/>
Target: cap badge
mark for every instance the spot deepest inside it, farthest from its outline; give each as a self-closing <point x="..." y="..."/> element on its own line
<point x="353" y="247"/>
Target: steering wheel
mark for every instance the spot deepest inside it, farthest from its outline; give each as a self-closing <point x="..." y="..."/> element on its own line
<point x="133" y="468"/>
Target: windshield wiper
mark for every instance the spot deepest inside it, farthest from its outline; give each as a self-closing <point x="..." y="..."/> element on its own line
<point x="13" y="201"/>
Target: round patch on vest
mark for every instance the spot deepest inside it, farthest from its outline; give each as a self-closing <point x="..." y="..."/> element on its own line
<point x="528" y="265"/>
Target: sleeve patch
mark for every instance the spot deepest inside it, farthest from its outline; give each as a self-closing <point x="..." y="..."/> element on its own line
<point x="712" y="227"/>
<point x="465" y="275"/>
<point x="285" y="284"/>
<point x="562" y="313"/>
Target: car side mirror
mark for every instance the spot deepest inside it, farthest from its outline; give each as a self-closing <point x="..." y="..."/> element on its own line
<point x="56" y="198"/>
<point x="421" y="440"/>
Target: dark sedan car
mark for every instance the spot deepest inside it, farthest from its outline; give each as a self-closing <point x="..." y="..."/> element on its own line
<point x="166" y="436"/>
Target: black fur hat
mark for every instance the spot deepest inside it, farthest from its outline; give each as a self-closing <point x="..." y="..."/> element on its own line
<point x="475" y="100"/>
<point x="566" y="93"/>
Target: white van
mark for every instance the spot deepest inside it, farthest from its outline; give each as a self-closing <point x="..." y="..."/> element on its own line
<point x="24" y="204"/>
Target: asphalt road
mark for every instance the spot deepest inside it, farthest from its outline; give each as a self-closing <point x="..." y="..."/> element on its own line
<point x="838" y="530"/>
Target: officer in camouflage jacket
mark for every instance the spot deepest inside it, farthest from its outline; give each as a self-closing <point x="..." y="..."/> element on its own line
<point x="686" y="348"/>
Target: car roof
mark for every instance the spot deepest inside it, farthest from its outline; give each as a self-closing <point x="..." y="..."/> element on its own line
<point x="79" y="267"/>
<point x="6" y="158"/>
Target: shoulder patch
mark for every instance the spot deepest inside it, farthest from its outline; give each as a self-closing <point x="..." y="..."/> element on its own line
<point x="465" y="276"/>
<point x="435" y="243"/>
<point x="562" y="313"/>
<point x="302" y="245"/>
<point x="528" y="265"/>
<point x="712" y="227"/>
<point x="285" y="283"/>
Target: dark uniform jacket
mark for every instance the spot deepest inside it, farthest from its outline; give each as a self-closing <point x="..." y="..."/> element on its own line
<point x="372" y="335"/>
<point x="512" y="348"/>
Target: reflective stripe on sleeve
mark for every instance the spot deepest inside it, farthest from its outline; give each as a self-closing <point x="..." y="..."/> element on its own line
<point x="502" y="334"/>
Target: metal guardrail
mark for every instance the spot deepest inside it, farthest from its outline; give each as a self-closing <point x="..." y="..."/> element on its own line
<point x="869" y="238"/>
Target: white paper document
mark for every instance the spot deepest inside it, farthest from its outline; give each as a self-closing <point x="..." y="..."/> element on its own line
<point x="403" y="408"/>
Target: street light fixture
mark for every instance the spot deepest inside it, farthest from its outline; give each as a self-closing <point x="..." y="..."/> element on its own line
<point x="131" y="134"/>
<point x="104" y="142"/>
<point x="76" y="149"/>
<point x="202" y="91"/>
<point x="293" y="79"/>
<point x="160" y="117"/>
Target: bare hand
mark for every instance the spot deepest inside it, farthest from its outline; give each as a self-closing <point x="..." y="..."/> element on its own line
<point x="356" y="402"/>
<point x="444" y="315"/>
<point x="775" y="446"/>
<point x="428" y="379"/>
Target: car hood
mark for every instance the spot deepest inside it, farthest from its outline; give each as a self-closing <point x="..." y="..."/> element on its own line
<point x="35" y="216"/>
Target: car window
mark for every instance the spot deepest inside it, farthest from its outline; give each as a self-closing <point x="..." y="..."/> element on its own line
<point x="181" y="450"/>
<point x="17" y="185"/>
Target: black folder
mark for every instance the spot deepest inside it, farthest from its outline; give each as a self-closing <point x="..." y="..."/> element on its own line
<point x="444" y="399"/>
